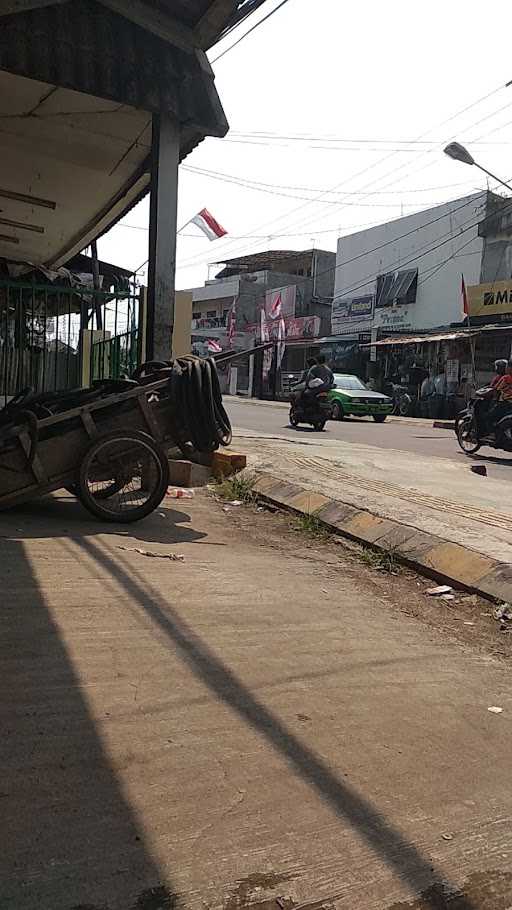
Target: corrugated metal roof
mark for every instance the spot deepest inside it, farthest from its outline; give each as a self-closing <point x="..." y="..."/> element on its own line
<point x="418" y="339"/>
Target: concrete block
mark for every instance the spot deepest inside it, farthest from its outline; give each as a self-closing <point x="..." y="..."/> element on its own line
<point x="265" y="483"/>
<point x="308" y="502"/>
<point x="187" y="474"/>
<point x="226" y="463"/>
<point x="364" y="525"/>
<point x="336" y="513"/>
<point x="498" y="583"/>
<point x="457" y="562"/>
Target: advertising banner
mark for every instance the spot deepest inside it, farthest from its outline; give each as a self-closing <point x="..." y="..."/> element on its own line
<point x="493" y="299"/>
<point x="347" y="310"/>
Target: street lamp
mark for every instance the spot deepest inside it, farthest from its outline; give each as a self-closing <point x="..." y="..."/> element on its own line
<point x="457" y="151"/>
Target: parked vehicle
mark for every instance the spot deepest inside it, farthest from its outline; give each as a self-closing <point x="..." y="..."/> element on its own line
<point x="352" y="398"/>
<point x="474" y="426"/>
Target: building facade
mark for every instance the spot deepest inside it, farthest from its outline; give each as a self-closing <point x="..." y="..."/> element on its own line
<point x="406" y="275"/>
<point x="398" y="301"/>
<point x="236" y="310"/>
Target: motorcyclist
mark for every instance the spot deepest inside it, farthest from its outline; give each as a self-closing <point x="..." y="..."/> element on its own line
<point x="503" y="389"/>
<point x="486" y="407"/>
<point x="310" y="362"/>
<point x="500" y="367"/>
<point x="319" y="378"/>
<point x="322" y="371"/>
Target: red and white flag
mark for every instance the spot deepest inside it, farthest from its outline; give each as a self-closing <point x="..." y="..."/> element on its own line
<point x="464" y="298"/>
<point x="281" y="342"/>
<point x="214" y="346"/>
<point x="276" y="307"/>
<point x="208" y="225"/>
<point x="232" y="322"/>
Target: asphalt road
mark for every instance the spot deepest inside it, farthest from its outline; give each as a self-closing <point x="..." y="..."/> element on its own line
<point x="407" y="436"/>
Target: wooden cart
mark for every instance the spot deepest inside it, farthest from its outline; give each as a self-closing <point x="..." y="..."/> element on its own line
<point x="110" y="451"/>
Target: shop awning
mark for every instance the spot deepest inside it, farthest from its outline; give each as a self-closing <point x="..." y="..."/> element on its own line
<point x="419" y="339"/>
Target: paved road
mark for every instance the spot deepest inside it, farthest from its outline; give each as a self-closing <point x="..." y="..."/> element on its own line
<point x="263" y="724"/>
<point x="407" y="437"/>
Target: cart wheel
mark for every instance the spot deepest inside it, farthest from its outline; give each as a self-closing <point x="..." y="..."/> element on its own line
<point x="123" y="476"/>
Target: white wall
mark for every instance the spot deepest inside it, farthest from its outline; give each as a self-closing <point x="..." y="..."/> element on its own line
<point x="438" y="297"/>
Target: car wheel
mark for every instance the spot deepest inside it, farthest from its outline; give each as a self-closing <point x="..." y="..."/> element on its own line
<point x="379" y="418"/>
<point x="337" y="411"/>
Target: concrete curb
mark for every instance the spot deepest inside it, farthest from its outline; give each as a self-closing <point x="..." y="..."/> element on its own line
<point x="431" y="555"/>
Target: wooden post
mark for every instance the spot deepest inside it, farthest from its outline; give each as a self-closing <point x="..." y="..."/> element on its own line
<point x="162" y="235"/>
<point x="96" y="284"/>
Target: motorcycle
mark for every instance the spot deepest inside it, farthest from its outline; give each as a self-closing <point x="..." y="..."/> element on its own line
<point x="474" y="426"/>
<point x="315" y="410"/>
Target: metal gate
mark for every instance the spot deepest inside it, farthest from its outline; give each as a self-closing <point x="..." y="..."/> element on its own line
<point x="54" y="338"/>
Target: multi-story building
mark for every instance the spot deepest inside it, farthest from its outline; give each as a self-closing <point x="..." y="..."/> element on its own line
<point x="249" y="285"/>
<point x="403" y="279"/>
<point x="406" y="275"/>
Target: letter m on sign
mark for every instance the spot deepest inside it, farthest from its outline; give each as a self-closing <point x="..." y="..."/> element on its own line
<point x="502" y="297"/>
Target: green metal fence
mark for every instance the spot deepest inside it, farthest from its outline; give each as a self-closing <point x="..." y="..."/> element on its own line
<point x="54" y="338"/>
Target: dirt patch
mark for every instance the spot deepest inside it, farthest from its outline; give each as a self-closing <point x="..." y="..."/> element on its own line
<point x="483" y="891"/>
<point x="468" y="618"/>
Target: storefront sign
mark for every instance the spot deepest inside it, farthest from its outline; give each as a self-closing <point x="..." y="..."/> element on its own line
<point x="396" y="318"/>
<point x="295" y="328"/>
<point x="353" y="309"/>
<point x="493" y="299"/>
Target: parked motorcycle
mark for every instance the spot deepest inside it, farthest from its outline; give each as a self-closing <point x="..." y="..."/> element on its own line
<point x="315" y="410"/>
<point x="474" y="426"/>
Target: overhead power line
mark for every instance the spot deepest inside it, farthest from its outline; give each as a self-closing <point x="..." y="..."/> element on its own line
<point x="248" y="32"/>
<point x="407" y="233"/>
<point x="388" y="156"/>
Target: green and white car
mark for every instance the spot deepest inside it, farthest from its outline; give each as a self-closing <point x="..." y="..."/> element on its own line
<point x="351" y="398"/>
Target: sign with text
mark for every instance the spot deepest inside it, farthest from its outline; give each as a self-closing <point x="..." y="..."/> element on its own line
<point x="493" y="299"/>
<point x="299" y="327"/>
<point x="350" y="309"/>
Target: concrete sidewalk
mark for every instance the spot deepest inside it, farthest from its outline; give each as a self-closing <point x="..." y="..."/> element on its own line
<point x="430" y="495"/>
<point x="258" y="722"/>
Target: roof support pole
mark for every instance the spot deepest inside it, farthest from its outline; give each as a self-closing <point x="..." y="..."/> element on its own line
<point x="162" y="236"/>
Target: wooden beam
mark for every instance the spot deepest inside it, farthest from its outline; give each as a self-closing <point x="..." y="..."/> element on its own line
<point x="8" y="7"/>
<point x="155" y="21"/>
<point x="212" y="23"/>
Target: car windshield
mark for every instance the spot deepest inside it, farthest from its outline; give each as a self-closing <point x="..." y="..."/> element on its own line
<point x="348" y="382"/>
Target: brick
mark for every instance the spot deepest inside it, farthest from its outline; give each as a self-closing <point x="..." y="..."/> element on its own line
<point x="226" y="463"/>
<point x="184" y="473"/>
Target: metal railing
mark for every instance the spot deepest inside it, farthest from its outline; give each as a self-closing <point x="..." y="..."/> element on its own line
<point x="209" y="322"/>
<point x="54" y="338"/>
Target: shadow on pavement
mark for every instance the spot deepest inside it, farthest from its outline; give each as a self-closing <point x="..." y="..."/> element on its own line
<point x="401" y="856"/>
<point x="70" y="838"/>
<point x="64" y="516"/>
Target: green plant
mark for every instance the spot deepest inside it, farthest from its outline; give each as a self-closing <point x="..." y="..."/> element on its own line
<point x="382" y="560"/>
<point x="311" y="525"/>
<point x="237" y="487"/>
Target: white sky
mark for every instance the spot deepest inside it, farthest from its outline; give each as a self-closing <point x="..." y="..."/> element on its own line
<point x="359" y="72"/>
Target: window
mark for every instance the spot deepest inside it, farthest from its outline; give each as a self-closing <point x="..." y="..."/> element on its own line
<point x="348" y="382"/>
<point x="384" y="284"/>
<point x="400" y="287"/>
<point x="211" y="314"/>
<point x="196" y="315"/>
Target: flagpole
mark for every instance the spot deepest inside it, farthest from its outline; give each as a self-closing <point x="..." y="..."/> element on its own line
<point x="471" y="340"/>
